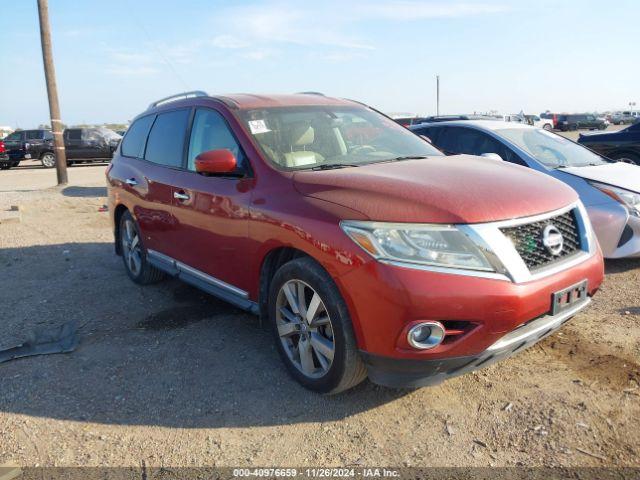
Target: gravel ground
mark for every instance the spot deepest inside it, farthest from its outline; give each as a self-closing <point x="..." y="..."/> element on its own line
<point x="168" y="376"/>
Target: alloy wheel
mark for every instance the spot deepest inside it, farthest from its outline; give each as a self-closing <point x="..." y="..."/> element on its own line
<point x="305" y="328"/>
<point x="48" y="160"/>
<point x="131" y="248"/>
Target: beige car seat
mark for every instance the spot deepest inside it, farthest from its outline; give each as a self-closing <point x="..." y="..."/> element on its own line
<point x="299" y="137"/>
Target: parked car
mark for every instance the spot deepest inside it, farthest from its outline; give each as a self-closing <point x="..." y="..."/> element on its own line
<point x="406" y="121"/>
<point x="81" y="145"/>
<point x="447" y="118"/>
<point x="579" y="121"/>
<point x="27" y="144"/>
<point x="551" y="118"/>
<point x="367" y="250"/>
<point x="623" y="145"/>
<point x="609" y="190"/>
<point x="624" y="118"/>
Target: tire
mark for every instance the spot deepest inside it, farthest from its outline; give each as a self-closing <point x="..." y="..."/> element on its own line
<point x="48" y="160"/>
<point x="627" y="158"/>
<point x="15" y="164"/>
<point x="547" y="127"/>
<point x="134" y="255"/>
<point x="5" y="166"/>
<point x="332" y="362"/>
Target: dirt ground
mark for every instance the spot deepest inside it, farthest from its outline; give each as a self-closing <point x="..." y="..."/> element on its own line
<point x="166" y="375"/>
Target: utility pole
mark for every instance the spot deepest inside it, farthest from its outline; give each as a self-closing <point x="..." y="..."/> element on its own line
<point x="438" y="95"/>
<point x="52" y="92"/>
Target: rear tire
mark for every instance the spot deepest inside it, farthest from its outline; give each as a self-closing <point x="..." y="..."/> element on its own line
<point x="5" y="166"/>
<point x="48" y="160"/>
<point x="312" y="328"/>
<point x="134" y="255"/>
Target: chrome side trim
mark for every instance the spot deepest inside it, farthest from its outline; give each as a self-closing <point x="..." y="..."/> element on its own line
<point x="182" y="267"/>
<point x="537" y="327"/>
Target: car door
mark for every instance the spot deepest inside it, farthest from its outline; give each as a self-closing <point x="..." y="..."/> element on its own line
<point x="73" y="143"/>
<point x="152" y="177"/>
<point x="213" y="211"/>
<point x="93" y="144"/>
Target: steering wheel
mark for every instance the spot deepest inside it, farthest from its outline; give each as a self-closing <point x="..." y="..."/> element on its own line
<point x="363" y="149"/>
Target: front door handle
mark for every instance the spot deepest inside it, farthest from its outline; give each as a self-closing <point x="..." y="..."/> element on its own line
<point x="182" y="196"/>
<point x="132" y="182"/>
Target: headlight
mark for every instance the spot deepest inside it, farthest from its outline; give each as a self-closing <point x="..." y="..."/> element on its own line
<point x="629" y="199"/>
<point x="436" y="245"/>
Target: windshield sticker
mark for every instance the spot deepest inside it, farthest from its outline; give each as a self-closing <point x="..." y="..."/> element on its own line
<point x="258" y="126"/>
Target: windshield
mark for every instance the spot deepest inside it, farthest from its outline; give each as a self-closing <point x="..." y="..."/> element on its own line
<point x="109" y="134"/>
<point x="551" y="150"/>
<point x="319" y="136"/>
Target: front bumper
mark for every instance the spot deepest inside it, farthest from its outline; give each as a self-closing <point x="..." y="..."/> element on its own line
<point x="405" y="373"/>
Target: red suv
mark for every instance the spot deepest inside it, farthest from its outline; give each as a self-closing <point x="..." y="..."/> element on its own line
<point x="368" y="250"/>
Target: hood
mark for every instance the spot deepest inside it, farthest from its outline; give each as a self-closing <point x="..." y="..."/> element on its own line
<point x="455" y="189"/>
<point x="623" y="175"/>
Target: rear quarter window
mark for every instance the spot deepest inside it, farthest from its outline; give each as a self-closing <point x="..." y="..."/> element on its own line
<point x="165" y="145"/>
<point x="136" y="137"/>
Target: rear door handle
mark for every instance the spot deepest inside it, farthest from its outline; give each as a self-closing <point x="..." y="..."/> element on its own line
<point x="182" y="196"/>
<point x="132" y="182"/>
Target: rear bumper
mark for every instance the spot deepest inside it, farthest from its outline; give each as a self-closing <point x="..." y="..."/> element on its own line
<point x="5" y="158"/>
<point x="406" y="373"/>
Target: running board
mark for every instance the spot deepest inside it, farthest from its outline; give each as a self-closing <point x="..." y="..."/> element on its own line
<point x="203" y="281"/>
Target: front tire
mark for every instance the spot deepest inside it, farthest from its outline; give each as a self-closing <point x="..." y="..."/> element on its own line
<point x="48" y="160"/>
<point x="312" y="328"/>
<point x="134" y="255"/>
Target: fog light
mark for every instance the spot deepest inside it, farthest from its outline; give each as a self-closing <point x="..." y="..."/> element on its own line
<point x="426" y="335"/>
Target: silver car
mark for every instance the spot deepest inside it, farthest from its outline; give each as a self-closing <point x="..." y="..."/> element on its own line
<point x="608" y="189"/>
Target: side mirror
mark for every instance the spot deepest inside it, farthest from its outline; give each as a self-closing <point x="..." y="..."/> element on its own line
<point x="216" y="161"/>
<point x="492" y="156"/>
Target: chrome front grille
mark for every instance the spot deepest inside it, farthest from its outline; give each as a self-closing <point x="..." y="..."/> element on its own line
<point x="528" y="240"/>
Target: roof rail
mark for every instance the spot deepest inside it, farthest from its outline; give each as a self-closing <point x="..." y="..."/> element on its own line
<point x="177" y="96"/>
<point x="312" y="93"/>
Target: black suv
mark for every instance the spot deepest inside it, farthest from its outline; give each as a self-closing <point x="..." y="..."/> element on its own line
<point x="81" y="145"/>
<point x="26" y="144"/>
<point x="579" y="121"/>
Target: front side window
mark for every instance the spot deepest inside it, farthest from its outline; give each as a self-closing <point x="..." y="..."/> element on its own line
<point x="553" y="151"/>
<point x="136" y="138"/>
<point x="75" y="134"/>
<point x="211" y="132"/>
<point x="315" y="136"/>
<point x="48" y="135"/>
<point x="166" y="139"/>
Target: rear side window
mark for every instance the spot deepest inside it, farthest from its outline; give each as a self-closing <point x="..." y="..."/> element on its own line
<point x="166" y="139"/>
<point x="136" y="137"/>
<point x="210" y="132"/>
<point x="34" y="135"/>
<point x="48" y="135"/>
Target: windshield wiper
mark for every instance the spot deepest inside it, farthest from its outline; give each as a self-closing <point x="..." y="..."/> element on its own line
<point x="406" y="157"/>
<point x="332" y="166"/>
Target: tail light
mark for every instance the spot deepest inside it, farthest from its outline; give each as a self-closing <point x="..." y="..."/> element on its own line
<point x="2" y="147"/>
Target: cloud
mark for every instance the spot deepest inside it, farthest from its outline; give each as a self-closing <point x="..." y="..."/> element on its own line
<point x="228" y="41"/>
<point x="414" y="11"/>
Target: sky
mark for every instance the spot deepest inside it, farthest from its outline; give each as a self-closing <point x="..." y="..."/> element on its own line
<point x="114" y="58"/>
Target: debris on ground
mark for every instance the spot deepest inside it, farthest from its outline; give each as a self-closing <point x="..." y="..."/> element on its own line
<point x="62" y="339"/>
